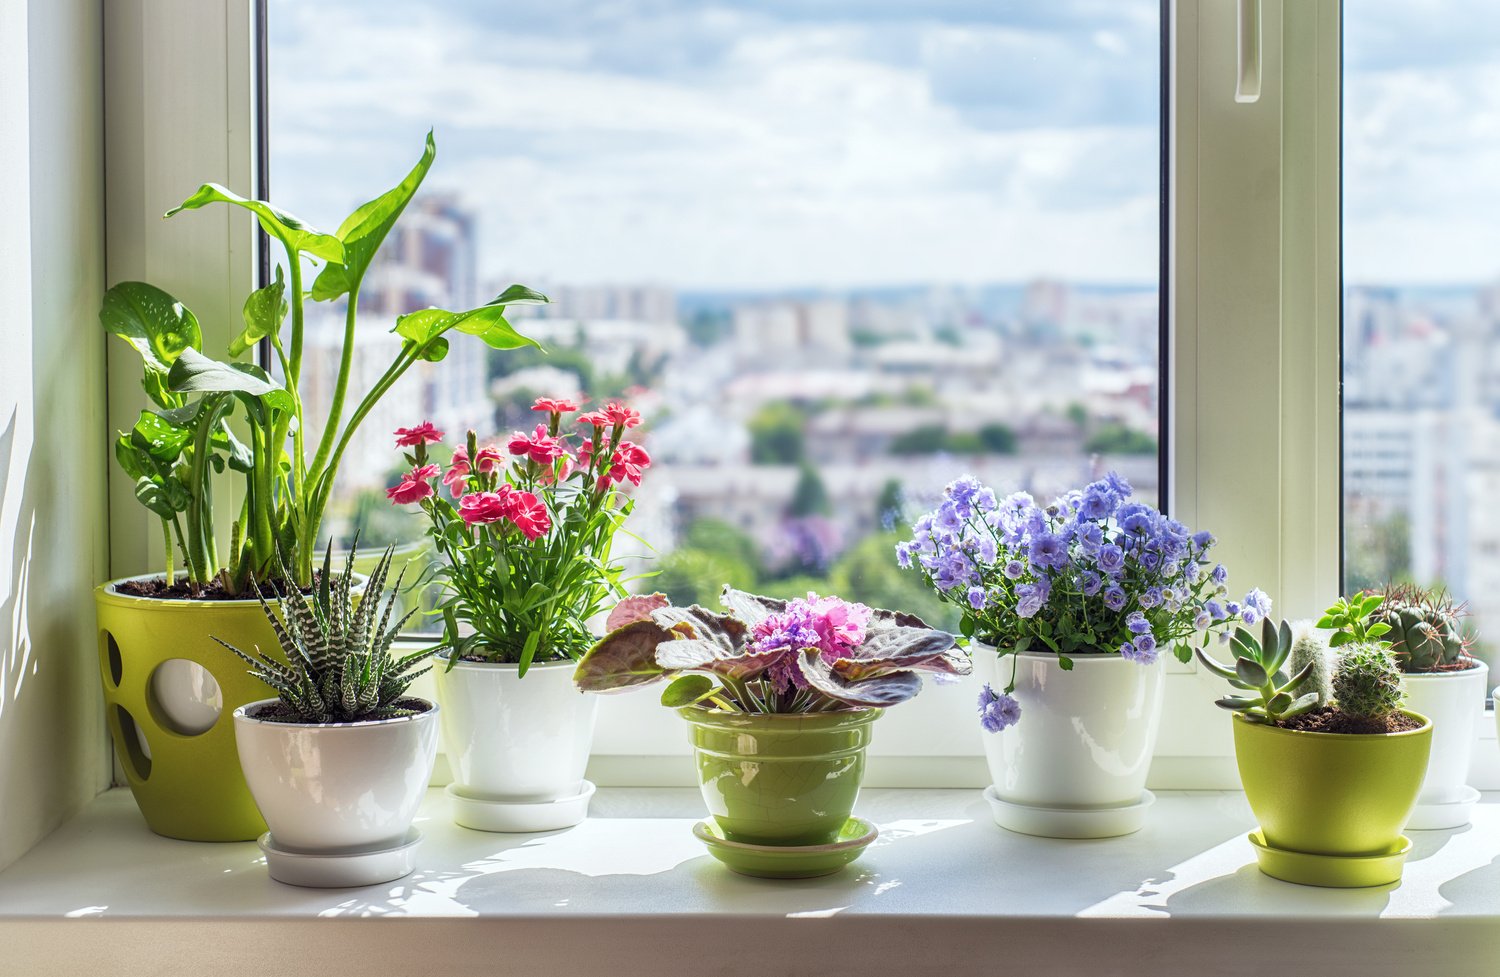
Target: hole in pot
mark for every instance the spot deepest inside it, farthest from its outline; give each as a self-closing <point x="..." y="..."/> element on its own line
<point x="112" y="658"/>
<point x="137" y="752"/>
<point x="184" y="697"/>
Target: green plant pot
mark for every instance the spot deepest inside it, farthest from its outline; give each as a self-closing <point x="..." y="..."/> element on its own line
<point x="172" y="727"/>
<point x="1331" y="794"/>
<point x="780" y="779"/>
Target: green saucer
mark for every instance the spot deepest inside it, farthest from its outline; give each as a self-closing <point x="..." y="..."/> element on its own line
<point x="1332" y="871"/>
<point x="789" y="862"/>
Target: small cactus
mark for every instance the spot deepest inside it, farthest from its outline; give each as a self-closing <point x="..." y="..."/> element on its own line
<point x="1310" y="648"/>
<point x="1367" y="683"/>
<point x="1425" y="631"/>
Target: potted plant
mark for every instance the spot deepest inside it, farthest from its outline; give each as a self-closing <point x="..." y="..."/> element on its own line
<point x="1444" y="683"/>
<point x="1331" y="772"/>
<point x="339" y="760"/>
<point x="166" y="693"/>
<point x="1066" y="609"/>
<point x="779" y="697"/>
<point x="524" y="563"/>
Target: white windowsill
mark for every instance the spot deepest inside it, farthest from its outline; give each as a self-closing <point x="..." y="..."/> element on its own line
<point x="630" y="891"/>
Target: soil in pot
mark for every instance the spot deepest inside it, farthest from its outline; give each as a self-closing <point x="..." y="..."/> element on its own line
<point x="1330" y="720"/>
<point x="276" y="712"/>
<point x="156" y="588"/>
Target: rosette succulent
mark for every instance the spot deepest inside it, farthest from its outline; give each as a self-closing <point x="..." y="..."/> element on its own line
<point x="1426" y="634"/>
<point x="817" y="654"/>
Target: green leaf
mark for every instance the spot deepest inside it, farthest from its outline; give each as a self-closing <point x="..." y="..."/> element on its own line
<point x="1369" y="603"/>
<point x="363" y="231"/>
<point x="158" y="326"/>
<point x="1065" y="663"/>
<point x="520" y="295"/>
<point x="488" y="322"/>
<point x="1278" y="703"/>
<point x="1250" y="672"/>
<point x="263" y="314"/>
<point x="162" y="497"/>
<point x="1216" y="668"/>
<point x="1340" y="638"/>
<point x="194" y="372"/>
<point x="1236" y="703"/>
<point x="291" y="232"/>
<point x="1377" y="629"/>
<point x="1325" y="622"/>
<point x="1303" y="703"/>
<point x="688" y="690"/>
<point x="623" y="659"/>
<point x="159" y="437"/>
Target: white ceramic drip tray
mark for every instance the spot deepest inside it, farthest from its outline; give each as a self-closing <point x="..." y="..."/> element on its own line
<point x="342" y="869"/>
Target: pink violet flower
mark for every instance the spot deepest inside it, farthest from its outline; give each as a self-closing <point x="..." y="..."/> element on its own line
<point x="414" y="486"/>
<point x="481" y="508"/>
<point x="618" y="413"/>
<point x="529" y="514"/>
<point x="554" y="406"/>
<point x="424" y="433"/>
<point x="539" y="447"/>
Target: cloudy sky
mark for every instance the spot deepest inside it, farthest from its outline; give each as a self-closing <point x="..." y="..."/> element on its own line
<point x="779" y="143"/>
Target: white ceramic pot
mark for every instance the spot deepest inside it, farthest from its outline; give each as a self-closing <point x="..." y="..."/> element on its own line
<point x="512" y="739"/>
<point x="1085" y="738"/>
<point x="1452" y="700"/>
<point x="337" y="787"/>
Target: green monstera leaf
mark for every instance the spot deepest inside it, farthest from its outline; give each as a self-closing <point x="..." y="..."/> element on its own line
<point x="158" y="326"/>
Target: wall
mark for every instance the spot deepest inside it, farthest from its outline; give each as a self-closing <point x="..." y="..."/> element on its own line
<point x="53" y="443"/>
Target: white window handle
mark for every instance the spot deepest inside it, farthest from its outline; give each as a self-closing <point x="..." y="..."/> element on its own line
<point x="1247" y="82"/>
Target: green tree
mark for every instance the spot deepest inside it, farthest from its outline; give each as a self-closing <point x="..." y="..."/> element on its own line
<point x="709" y="327"/>
<point x="810" y="497"/>
<point x="924" y="440"/>
<point x="778" y="435"/>
<point x="1079" y="415"/>
<point x="718" y="536"/>
<point x="998" y="439"/>
<point x="692" y="576"/>
<point x="1117" y="439"/>
<point x="800" y="585"/>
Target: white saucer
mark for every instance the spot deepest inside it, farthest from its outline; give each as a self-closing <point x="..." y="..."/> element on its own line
<point x="1069" y="822"/>
<point x="1444" y="814"/>
<point x="344" y="870"/>
<point x="492" y="814"/>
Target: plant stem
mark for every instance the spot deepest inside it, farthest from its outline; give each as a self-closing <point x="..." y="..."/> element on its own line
<point x="341" y="386"/>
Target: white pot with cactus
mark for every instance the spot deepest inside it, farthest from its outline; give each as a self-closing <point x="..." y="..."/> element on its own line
<point x="1444" y="683"/>
<point x="339" y="761"/>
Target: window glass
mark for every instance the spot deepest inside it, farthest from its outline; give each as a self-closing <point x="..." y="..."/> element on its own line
<point x="1422" y="299"/>
<point x="838" y="253"/>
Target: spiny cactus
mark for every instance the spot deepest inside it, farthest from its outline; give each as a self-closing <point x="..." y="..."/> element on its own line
<point x="1367" y="683"/>
<point x="339" y="667"/>
<point x="1426" y="633"/>
<point x="1310" y="651"/>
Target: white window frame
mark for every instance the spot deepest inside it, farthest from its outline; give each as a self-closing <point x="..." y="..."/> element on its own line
<point x="1252" y="298"/>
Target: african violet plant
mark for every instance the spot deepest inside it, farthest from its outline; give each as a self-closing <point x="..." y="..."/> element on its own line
<point x="1091" y="573"/>
<point x="818" y="654"/>
<point x="178" y="445"/>
<point x="526" y="539"/>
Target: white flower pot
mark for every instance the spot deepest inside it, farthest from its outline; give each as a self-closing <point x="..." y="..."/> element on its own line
<point x="1452" y="700"/>
<point x="517" y="747"/>
<point x="1075" y="764"/>
<point x="337" y="788"/>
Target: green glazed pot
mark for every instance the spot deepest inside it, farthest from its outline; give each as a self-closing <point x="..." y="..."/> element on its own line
<point x="780" y="779"/>
<point x="186" y="777"/>
<point x="1331" y="793"/>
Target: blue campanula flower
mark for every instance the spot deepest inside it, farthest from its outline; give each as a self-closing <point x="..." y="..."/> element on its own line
<point x="997" y="711"/>
<point x="1150" y="597"/>
<point x="1115" y="599"/>
<point x="1048" y="551"/>
<point x="1137" y="623"/>
<point x="1014" y="569"/>
<point x="1090" y="582"/>
<point x="1142" y="649"/>
<point x="903" y="555"/>
<point x="1089" y="536"/>
<point x="1216" y="610"/>
<point x="1220" y="574"/>
<point x="1258" y="600"/>
<point x="1111" y="558"/>
<point x="977" y="598"/>
<point x="1030" y="598"/>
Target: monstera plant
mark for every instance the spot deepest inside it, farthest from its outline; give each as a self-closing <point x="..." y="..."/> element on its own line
<point x="184" y="439"/>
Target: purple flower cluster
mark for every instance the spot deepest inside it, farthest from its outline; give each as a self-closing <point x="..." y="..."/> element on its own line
<point x="1093" y="571"/>
<point x="832" y="626"/>
<point x="997" y="710"/>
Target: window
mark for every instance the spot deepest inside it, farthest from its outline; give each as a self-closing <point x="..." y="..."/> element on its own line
<point x="839" y="255"/>
<point x="1422" y="300"/>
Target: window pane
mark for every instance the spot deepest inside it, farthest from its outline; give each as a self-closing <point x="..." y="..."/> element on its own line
<point x="1422" y="298"/>
<point x="837" y="253"/>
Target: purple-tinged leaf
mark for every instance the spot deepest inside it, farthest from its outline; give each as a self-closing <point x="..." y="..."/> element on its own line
<point x="633" y="609"/>
<point x="878" y="692"/>
<point x="624" y="659"/>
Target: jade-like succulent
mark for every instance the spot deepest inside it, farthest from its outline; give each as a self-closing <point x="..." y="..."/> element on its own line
<point x="1367" y="683"/>
<point x="338" y="667"/>
<point x="1258" y="668"/>
<point x="1310" y="652"/>
<point x="1426" y="634"/>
